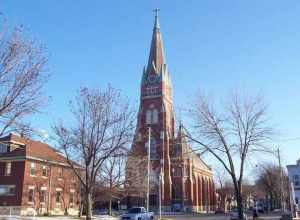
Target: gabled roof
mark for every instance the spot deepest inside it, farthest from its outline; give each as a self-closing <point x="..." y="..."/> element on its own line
<point x="32" y="149"/>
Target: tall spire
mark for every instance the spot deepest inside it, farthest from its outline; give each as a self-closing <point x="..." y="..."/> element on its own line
<point x="156" y="56"/>
<point x="156" y="23"/>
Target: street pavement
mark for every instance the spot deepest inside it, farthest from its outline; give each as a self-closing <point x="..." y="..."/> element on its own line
<point x="214" y="217"/>
<point x="166" y="217"/>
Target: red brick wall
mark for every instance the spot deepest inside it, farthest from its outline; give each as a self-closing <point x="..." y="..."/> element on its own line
<point x="52" y="182"/>
<point x="16" y="178"/>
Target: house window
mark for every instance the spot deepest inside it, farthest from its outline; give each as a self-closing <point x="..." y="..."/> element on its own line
<point x="42" y="196"/>
<point x="58" y="195"/>
<point x="44" y="171"/>
<point x="60" y="172"/>
<point x="7" y="171"/>
<point x="72" y="198"/>
<point x="7" y="190"/>
<point x="32" y="169"/>
<point x="3" y="148"/>
<point x="296" y="180"/>
<point x="30" y="195"/>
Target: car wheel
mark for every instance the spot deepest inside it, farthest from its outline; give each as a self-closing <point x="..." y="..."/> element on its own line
<point x="139" y="219"/>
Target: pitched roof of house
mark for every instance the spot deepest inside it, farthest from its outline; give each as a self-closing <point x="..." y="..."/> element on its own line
<point x="29" y="148"/>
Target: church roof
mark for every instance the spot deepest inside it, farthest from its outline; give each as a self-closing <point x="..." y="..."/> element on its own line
<point x="188" y="150"/>
<point x="156" y="57"/>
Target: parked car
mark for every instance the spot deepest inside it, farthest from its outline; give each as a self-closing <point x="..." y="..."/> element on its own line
<point x="219" y="211"/>
<point x="234" y="215"/>
<point x="260" y="209"/>
<point x="177" y="207"/>
<point x="138" y="213"/>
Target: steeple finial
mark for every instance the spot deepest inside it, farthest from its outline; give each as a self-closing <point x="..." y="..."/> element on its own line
<point x="156" y="24"/>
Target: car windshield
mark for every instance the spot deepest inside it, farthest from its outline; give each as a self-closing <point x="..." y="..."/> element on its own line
<point x="135" y="210"/>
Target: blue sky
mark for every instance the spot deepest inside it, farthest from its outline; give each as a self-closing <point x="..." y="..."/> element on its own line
<point x="215" y="46"/>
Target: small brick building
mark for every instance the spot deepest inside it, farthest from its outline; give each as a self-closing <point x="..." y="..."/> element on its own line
<point x="35" y="179"/>
<point x="187" y="182"/>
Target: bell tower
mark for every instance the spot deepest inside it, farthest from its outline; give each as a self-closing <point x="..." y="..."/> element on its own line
<point x="156" y="119"/>
<point x="177" y="174"/>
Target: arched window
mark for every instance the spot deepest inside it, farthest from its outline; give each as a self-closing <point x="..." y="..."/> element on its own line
<point x="153" y="152"/>
<point x="154" y="116"/>
<point x="148" y="116"/>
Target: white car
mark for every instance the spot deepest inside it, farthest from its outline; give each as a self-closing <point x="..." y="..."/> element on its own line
<point x="234" y="215"/>
<point x="138" y="213"/>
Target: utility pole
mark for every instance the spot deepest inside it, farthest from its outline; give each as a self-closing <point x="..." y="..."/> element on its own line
<point x="160" y="179"/>
<point x="148" y="176"/>
<point x="281" y="181"/>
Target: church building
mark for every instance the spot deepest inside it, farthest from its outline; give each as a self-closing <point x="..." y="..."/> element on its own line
<point x="177" y="174"/>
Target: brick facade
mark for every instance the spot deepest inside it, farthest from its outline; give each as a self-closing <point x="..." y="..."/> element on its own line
<point x="187" y="182"/>
<point x="41" y="179"/>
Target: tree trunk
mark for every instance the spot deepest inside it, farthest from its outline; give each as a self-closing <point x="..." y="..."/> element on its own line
<point x="88" y="206"/>
<point x="80" y="209"/>
<point x="240" y="208"/>
<point x="109" y="208"/>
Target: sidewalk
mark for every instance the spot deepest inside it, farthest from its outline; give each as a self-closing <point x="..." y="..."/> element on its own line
<point x="96" y="217"/>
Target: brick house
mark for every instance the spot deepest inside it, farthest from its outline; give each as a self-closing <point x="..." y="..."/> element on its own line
<point x="186" y="180"/>
<point x="35" y="179"/>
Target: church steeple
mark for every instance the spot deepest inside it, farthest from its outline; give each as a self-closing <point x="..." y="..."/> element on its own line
<point x="156" y="70"/>
<point x="156" y="57"/>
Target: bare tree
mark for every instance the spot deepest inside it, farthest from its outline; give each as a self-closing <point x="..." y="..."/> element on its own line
<point x="231" y="134"/>
<point x="112" y="176"/>
<point x="22" y="77"/>
<point x="136" y="177"/>
<point x="103" y="124"/>
<point x="270" y="181"/>
<point x="224" y="189"/>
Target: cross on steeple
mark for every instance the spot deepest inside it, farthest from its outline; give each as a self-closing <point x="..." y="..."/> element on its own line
<point x="156" y="24"/>
<point x="156" y="11"/>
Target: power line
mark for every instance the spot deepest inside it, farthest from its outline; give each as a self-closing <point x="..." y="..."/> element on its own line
<point x="290" y="139"/>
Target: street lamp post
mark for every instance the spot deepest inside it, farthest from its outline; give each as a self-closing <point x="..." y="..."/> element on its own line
<point x="148" y="176"/>
<point x="159" y="187"/>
